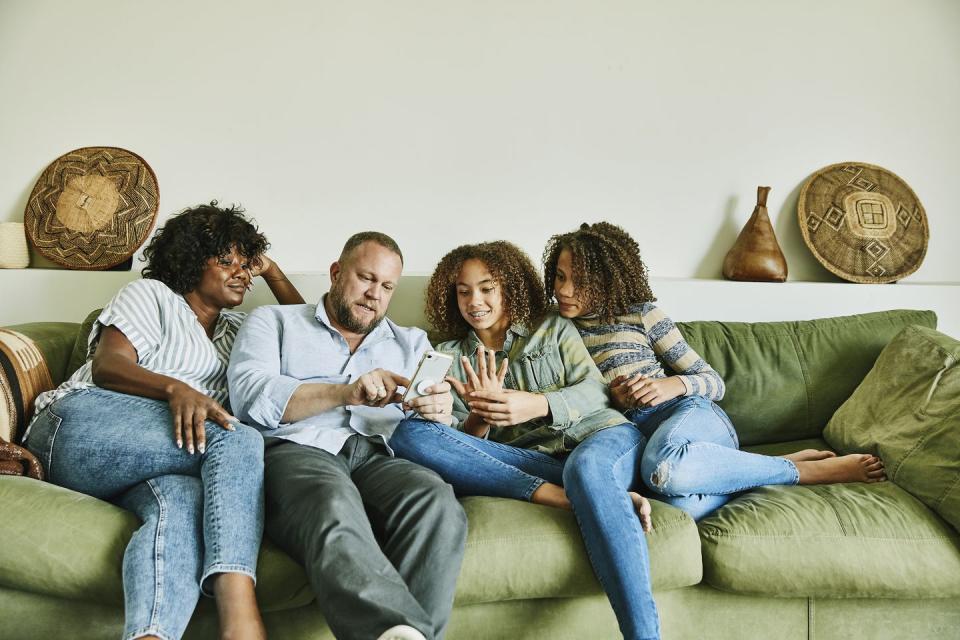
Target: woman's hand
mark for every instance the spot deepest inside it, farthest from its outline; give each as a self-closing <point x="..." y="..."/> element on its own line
<point x="508" y="407"/>
<point x="190" y="409"/>
<point x="436" y="406"/>
<point x="265" y="264"/>
<point x="642" y="391"/>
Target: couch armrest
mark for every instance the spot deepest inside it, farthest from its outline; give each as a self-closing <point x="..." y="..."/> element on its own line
<point x="55" y="340"/>
<point x="17" y="461"/>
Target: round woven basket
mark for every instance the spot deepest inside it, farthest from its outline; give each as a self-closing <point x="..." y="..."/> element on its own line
<point x="13" y="246"/>
<point x="92" y="208"/>
<point x="863" y="223"/>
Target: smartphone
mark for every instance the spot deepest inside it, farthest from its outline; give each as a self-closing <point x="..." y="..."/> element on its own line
<point x="432" y="369"/>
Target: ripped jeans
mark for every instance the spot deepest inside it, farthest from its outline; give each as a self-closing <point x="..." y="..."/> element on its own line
<point x="693" y="461"/>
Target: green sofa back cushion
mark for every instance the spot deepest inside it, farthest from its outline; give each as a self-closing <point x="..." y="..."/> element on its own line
<point x="78" y="355"/>
<point x="907" y="411"/>
<point x="785" y="379"/>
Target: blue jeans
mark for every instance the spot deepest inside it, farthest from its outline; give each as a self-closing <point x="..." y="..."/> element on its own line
<point x="596" y="476"/>
<point x="693" y="461"/>
<point x="202" y="514"/>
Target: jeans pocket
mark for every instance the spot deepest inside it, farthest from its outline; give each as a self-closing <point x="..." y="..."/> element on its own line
<point x="43" y="433"/>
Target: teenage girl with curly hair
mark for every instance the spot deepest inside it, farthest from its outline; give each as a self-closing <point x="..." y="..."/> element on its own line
<point x="692" y="459"/>
<point x="532" y="419"/>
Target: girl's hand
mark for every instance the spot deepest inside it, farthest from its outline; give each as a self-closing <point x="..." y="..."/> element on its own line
<point x="190" y="410"/>
<point x="508" y="407"/>
<point x="641" y="391"/>
<point x="486" y="378"/>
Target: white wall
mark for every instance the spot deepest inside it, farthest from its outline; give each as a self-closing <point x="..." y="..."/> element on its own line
<point x="450" y="121"/>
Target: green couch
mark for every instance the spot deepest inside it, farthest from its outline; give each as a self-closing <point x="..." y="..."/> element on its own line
<point x="839" y="561"/>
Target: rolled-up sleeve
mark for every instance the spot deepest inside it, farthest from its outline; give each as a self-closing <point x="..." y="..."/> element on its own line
<point x="259" y="393"/>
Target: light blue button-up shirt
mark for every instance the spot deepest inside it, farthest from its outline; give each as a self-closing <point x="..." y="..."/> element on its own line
<point x="280" y="348"/>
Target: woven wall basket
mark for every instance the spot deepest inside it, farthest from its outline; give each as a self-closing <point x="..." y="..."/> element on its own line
<point x="863" y="223"/>
<point x="92" y="208"/>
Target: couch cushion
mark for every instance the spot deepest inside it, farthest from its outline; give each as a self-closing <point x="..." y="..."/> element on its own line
<point x="907" y="411"/>
<point x="831" y="541"/>
<point x="518" y="550"/>
<point x="65" y="544"/>
<point x="810" y="367"/>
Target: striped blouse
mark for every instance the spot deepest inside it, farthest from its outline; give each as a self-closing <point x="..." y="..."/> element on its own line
<point x="639" y="341"/>
<point x="168" y="338"/>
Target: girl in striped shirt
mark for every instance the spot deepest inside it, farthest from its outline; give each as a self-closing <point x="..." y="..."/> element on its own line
<point x="692" y="458"/>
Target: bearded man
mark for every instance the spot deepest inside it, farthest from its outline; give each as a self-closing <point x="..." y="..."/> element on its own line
<point x="381" y="538"/>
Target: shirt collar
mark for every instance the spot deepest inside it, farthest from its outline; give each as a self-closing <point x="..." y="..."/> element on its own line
<point x="514" y="330"/>
<point x="221" y="327"/>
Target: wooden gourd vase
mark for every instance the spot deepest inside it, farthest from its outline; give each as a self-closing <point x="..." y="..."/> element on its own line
<point x="756" y="255"/>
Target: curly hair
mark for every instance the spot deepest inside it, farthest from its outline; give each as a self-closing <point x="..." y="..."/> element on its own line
<point x="523" y="299"/>
<point x="608" y="273"/>
<point x="179" y="251"/>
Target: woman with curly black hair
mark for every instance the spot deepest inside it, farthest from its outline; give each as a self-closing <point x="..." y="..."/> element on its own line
<point x="692" y="459"/>
<point x="143" y="423"/>
<point x="531" y="418"/>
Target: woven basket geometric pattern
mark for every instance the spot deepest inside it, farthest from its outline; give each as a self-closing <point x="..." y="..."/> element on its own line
<point x="863" y="223"/>
<point x="92" y="208"/>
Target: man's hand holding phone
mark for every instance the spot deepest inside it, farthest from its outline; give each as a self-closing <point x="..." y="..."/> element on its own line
<point x="427" y="393"/>
<point x="436" y="405"/>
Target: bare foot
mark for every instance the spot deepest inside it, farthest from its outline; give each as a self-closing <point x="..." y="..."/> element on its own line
<point x="856" y="467"/>
<point x="806" y="455"/>
<point x="642" y="505"/>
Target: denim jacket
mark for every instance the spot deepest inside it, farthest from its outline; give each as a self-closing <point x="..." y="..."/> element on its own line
<point x="551" y="360"/>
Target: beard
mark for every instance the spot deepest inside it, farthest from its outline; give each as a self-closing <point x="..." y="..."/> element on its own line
<point x="343" y="313"/>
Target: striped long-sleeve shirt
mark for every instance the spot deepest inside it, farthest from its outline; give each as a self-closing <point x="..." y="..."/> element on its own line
<point x="642" y="341"/>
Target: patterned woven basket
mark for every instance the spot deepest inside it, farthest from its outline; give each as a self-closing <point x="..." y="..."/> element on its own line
<point x="863" y="223"/>
<point x="92" y="208"/>
<point x="14" y="253"/>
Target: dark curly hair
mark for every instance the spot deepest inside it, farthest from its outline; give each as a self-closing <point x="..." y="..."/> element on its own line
<point x="178" y="252"/>
<point x="523" y="299"/>
<point x="608" y="273"/>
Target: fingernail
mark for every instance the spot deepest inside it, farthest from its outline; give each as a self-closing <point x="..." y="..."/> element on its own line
<point x="179" y="444"/>
<point x="202" y="448"/>
<point x="190" y="449"/>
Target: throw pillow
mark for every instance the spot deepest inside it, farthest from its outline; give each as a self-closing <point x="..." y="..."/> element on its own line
<point x="907" y="411"/>
<point x="23" y="376"/>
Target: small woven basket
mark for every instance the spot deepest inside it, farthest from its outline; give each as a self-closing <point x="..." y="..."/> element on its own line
<point x="13" y="246"/>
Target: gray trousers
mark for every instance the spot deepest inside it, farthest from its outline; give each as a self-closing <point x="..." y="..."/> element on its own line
<point x="381" y="538"/>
